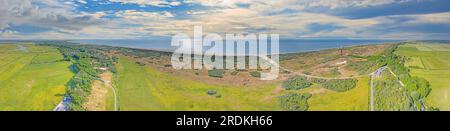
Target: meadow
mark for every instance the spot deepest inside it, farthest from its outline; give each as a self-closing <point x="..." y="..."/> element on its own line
<point x="356" y="99"/>
<point x="31" y="77"/>
<point x="431" y="61"/>
<point x="145" y="88"/>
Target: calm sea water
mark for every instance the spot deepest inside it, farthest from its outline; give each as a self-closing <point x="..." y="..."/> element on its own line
<point x="286" y="46"/>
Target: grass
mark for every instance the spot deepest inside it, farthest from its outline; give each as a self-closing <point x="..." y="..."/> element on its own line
<point x="415" y="62"/>
<point x="25" y="85"/>
<point x="435" y="59"/>
<point x="144" y="88"/>
<point x="355" y="99"/>
<point x="389" y="95"/>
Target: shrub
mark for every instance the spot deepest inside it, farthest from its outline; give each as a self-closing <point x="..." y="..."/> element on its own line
<point x="256" y="74"/>
<point x="296" y="83"/>
<point x="294" y="102"/>
<point x="216" y="73"/>
<point x="212" y="92"/>
<point x="318" y="81"/>
<point x="340" y="85"/>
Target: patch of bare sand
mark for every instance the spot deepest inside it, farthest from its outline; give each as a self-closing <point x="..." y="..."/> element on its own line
<point x="276" y="92"/>
<point x="318" y="91"/>
<point x="96" y="101"/>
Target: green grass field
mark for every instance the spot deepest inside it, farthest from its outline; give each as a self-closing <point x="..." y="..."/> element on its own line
<point x="144" y="88"/>
<point x="435" y="58"/>
<point x="356" y="99"/>
<point x="30" y="78"/>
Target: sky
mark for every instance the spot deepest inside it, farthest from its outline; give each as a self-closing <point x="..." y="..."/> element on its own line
<point x="291" y="19"/>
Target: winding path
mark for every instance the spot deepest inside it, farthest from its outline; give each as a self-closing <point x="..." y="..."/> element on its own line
<point x="309" y="76"/>
<point x="114" y="92"/>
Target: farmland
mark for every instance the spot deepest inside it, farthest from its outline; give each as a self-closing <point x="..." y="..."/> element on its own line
<point x="31" y="77"/>
<point x="430" y="61"/>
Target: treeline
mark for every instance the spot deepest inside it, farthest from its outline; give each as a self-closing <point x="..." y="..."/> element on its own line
<point x="87" y="63"/>
<point x="418" y="88"/>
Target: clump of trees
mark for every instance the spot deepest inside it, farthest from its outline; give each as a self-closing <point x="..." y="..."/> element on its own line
<point x="296" y="83"/>
<point x="294" y="101"/>
<point x="340" y="85"/>
<point x="216" y="73"/>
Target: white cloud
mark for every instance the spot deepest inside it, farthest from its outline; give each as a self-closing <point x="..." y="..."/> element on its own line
<point x="82" y="1"/>
<point x="45" y="13"/>
<point x="225" y="17"/>
<point x="157" y="3"/>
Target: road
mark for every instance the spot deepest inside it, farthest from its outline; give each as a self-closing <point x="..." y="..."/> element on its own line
<point x="114" y="92"/>
<point x="63" y="105"/>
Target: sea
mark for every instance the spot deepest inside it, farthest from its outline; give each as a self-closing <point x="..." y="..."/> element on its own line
<point x="285" y="46"/>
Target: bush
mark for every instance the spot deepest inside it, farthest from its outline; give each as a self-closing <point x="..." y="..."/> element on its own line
<point x="318" y="81"/>
<point x="296" y="83"/>
<point x="256" y="74"/>
<point x="235" y="73"/>
<point x="216" y="73"/>
<point x="212" y="92"/>
<point x="340" y="85"/>
<point x="294" y="102"/>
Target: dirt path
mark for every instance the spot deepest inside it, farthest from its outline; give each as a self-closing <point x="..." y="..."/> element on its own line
<point x="270" y="61"/>
<point x="111" y="86"/>
<point x="97" y="101"/>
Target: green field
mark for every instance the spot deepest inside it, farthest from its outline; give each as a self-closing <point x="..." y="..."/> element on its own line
<point x="356" y="99"/>
<point x="144" y="88"/>
<point x="31" y="77"/>
<point x="435" y="60"/>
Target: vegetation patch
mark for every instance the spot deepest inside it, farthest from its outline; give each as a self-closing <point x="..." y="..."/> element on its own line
<point x="296" y="83"/>
<point x="294" y="102"/>
<point x="88" y="63"/>
<point x="340" y="85"/>
<point x="216" y="73"/>
<point x="255" y="74"/>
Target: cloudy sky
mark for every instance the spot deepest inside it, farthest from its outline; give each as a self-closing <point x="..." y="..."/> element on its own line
<point x="292" y="19"/>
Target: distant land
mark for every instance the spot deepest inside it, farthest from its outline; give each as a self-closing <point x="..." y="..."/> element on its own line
<point x="286" y="46"/>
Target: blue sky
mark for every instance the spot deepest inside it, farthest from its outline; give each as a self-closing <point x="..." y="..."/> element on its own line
<point x="292" y="19"/>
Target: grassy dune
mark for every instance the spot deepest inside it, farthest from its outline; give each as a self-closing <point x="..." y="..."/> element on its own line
<point x="31" y="79"/>
<point x="144" y="88"/>
<point x="434" y="58"/>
